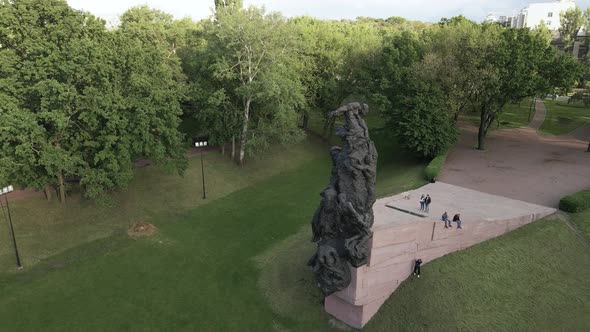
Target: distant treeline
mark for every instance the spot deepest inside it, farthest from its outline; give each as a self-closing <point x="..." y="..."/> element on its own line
<point x="80" y="101"/>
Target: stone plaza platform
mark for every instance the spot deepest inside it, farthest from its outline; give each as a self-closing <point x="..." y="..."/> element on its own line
<point x="402" y="233"/>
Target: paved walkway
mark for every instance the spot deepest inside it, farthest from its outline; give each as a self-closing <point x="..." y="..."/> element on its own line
<point x="540" y="113"/>
<point x="520" y="164"/>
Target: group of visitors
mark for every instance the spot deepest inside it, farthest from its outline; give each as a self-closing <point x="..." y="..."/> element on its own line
<point x="456" y="218"/>
<point x="425" y="202"/>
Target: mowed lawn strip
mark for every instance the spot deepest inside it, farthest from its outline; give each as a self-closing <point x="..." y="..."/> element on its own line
<point x="582" y="222"/>
<point x="563" y="118"/>
<point x="46" y="228"/>
<point x="196" y="274"/>
<point x="512" y="116"/>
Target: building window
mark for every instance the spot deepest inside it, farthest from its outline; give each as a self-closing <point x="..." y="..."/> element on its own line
<point x="548" y="23"/>
<point x="550" y="14"/>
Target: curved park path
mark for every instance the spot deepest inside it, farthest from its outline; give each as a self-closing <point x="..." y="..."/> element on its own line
<point x="520" y="163"/>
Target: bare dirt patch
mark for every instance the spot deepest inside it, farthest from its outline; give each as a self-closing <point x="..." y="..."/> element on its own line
<point x="140" y="229"/>
<point x="519" y="164"/>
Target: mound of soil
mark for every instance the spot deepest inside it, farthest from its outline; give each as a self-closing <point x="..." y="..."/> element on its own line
<point x="141" y="228"/>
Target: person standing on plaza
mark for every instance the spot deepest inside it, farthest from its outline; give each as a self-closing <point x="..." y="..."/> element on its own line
<point x="422" y="202"/>
<point x="427" y="201"/>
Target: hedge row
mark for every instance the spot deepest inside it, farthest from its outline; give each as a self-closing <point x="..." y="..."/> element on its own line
<point x="433" y="169"/>
<point x="577" y="202"/>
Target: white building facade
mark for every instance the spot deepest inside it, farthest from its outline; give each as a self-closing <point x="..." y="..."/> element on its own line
<point x="543" y="13"/>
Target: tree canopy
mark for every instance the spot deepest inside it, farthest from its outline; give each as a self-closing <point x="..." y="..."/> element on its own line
<point x="80" y="102"/>
<point x="84" y="102"/>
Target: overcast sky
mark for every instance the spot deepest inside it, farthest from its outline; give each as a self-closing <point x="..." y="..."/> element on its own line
<point x="423" y="10"/>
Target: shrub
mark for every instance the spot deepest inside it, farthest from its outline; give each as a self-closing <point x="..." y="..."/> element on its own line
<point x="434" y="167"/>
<point x="577" y="202"/>
<point x="581" y="96"/>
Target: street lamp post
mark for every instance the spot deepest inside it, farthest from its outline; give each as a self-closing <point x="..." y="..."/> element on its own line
<point x="5" y="192"/>
<point x="201" y="145"/>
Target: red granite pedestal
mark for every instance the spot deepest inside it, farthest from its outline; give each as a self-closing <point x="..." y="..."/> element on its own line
<point x="402" y="233"/>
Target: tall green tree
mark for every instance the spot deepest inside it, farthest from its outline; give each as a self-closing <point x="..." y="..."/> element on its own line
<point x="515" y="64"/>
<point x="154" y="84"/>
<point x="210" y="100"/>
<point x="571" y="22"/>
<point x="85" y="101"/>
<point x="446" y="66"/>
<point x="257" y="65"/>
<point x="57" y="58"/>
<point x="337" y="58"/>
<point x="423" y="123"/>
<point x="227" y="6"/>
<point x="400" y="52"/>
<point x="234" y="4"/>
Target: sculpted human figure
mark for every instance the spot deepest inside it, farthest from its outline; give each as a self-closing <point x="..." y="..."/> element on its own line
<point x="341" y="225"/>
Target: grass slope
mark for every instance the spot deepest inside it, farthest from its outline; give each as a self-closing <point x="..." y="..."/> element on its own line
<point x="46" y="228"/>
<point x="563" y="118"/>
<point x="197" y="274"/>
<point x="582" y="222"/>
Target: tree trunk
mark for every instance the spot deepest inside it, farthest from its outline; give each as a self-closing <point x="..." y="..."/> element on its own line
<point x="481" y="135"/>
<point x="481" y="139"/>
<point x="531" y="108"/>
<point x="326" y="127"/>
<point x="47" y="191"/>
<point x="62" y="187"/>
<point x="233" y="148"/>
<point x="305" y="121"/>
<point x="223" y="149"/>
<point x="244" y="131"/>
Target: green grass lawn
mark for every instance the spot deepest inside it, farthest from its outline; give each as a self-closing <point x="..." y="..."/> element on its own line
<point x="46" y="228"/>
<point x="563" y="118"/>
<point x="512" y="116"/>
<point x="582" y="222"/>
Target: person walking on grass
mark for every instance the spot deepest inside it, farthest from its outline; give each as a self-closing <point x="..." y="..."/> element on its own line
<point x="417" y="264"/>
<point x="422" y="202"/>
<point x="427" y="201"/>
<point x="457" y="219"/>
<point x="445" y="218"/>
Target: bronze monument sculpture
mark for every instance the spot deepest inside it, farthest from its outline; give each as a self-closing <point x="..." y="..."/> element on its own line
<point x="342" y="223"/>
